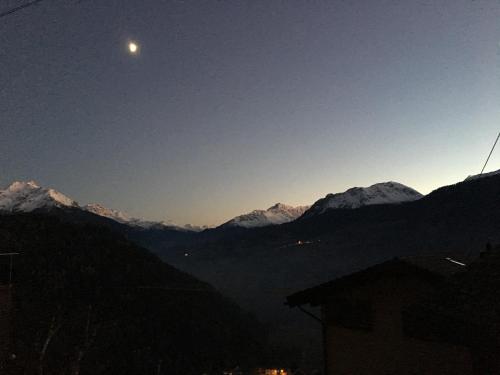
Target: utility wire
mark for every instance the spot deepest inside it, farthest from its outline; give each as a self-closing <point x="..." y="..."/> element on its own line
<point x="494" y="144"/>
<point x="25" y="5"/>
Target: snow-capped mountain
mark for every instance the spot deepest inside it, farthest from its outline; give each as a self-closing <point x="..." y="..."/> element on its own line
<point x="125" y="218"/>
<point x="28" y="196"/>
<point x="278" y="214"/>
<point x="115" y="215"/>
<point x="194" y="228"/>
<point x="381" y="193"/>
<point x="166" y="225"/>
<point x="476" y="176"/>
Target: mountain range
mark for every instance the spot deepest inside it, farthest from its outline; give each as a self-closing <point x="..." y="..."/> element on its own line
<point x="258" y="265"/>
<point x="458" y="218"/>
<point x="29" y="196"/>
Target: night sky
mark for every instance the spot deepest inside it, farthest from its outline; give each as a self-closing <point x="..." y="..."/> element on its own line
<point x="236" y="105"/>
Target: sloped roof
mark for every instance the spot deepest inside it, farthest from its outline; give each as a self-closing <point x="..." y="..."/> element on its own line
<point x="431" y="268"/>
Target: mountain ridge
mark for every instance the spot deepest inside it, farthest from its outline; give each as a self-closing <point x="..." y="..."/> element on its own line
<point x="78" y="275"/>
<point x="25" y="197"/>
<point x="279" y="213"/>
<point x="482" y="175"/>
<point x="380" y="193"/>
<point x="29" y="196"/>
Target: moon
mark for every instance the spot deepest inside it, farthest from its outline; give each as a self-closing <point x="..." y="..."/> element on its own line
<point x="133" y="47"/>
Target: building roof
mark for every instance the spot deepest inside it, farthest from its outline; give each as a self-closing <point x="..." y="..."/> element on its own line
<point x="431" y="268"/>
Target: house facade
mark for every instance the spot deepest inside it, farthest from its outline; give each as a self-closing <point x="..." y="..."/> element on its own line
<point x="365" y="325"/>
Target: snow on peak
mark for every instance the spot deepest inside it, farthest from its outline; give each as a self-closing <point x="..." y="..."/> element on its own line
<point x="23" y="196"/>
<point x="281" y="206"/>
<point x="124" y="218"/>
<point x="278" y="214"/>
<point x="21" y="185"/>
<point x="28" y="196"/>
<point x="193" y="228"/>
<point x="475" y="177"/>
<point x="381" y="193"/>
<point x="116" y="215"/>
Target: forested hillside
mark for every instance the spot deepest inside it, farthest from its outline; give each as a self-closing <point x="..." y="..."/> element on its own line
<point x="87" y="301"/>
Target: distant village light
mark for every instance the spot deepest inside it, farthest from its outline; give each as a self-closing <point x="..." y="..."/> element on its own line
<point x="273" y="371"/>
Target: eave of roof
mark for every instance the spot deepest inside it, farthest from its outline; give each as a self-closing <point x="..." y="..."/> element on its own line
<point x="432" y="269"/>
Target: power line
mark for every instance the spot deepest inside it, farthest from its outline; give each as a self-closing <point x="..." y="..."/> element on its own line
<point x="25" y="5"/>
<point x="494" y="144"/>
